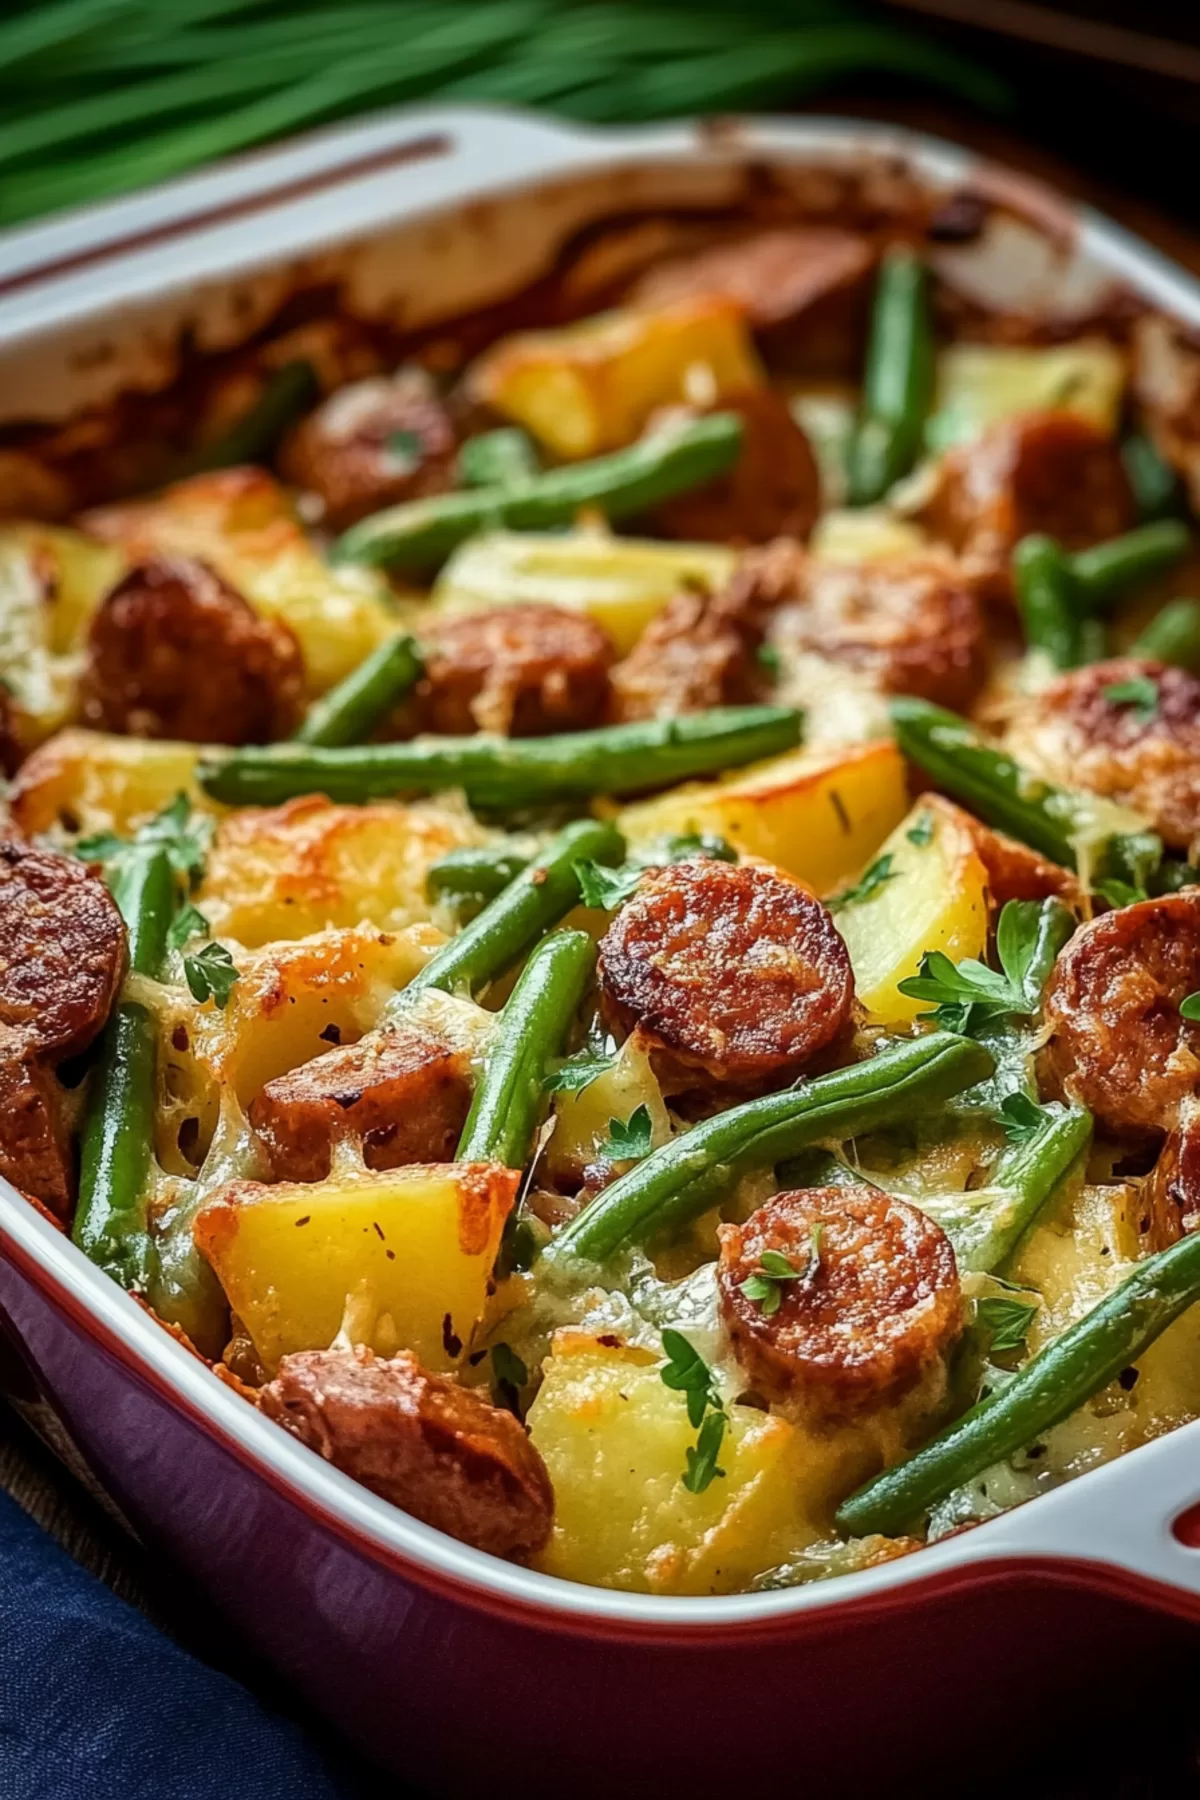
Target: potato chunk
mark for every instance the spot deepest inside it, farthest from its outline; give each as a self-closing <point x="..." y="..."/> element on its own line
<point x="89" y="781"/>
<point x="403" y="1257"/>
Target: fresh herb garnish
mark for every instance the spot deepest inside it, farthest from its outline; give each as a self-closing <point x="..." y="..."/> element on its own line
<point x="189" y="922"/>
<point x="629" y="1140"/>
<point x="1021" y="1117"/>
<point x="406" y="446"/>
<point x="881" y="870"/>
<point x="184" y="838"/>
<point x="968" y="994"/>
<point x="688" y="847"/>
<point x="1007" y="1323"/>
<point x="769" y="660"/>
<point x="211" y="974"/>
<point x="578" y="1072"/>
<point x="687" y="1373"/>
<point x="1139" y="693"/>
<point x="764" y="1284"/>
<point x="498" y="458"/>
<point x="509" y="1376"/>
<point x="921" y="833"/>
<point x="702" y="1468"/>
<point x="607" y="888"/>
<point x="1190" y="1008"/>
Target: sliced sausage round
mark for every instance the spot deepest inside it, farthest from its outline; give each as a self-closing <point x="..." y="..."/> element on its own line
<point x="773" y="490"/>
<point x="870" y="1315"/>
<point x="693" y="655"/>
<point x="62" y="951"/>
<point x="175" y="652"/>
<point x="1118" y="1043"/>
<point x="438" y="1450"/>
<point x="1142" y="748"/>
<point x="373" y="444"/>
<point x="733" y="974"/>
<point x="35" y="1145"/>
<point x="522" y="671"/>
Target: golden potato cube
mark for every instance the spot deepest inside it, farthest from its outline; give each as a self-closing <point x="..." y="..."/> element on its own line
<point x="581" y="1121"/>
<point x="866" y="534"/>
<point x="591" y="387"/>
<point x="88" y="781"/>
<point x="817" y="814"/>
<point x="979" y="384"/>
<point x="402" y="1257"/>
<point x="934" y="898"/>
<point x="621" y="583"/>
<point x="50" y="581"/>
<point x="285" y="872"/>
<point x="615" y="1441"/>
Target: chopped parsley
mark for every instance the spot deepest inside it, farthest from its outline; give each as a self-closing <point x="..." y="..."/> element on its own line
<point x="1021" y="1117"/>
<point x="968" y="994"/>
<point x="211" y="975"/>
<point x="1139" y="694"/>
<point x="881" y="870"/>
<point x="1007" y="1323"/>
<point x="764" y="1285"/>
<point x="1190" y="1008"/>
<point x="184" y="838"/>
<point x="629" y="1140"/>
<point x="921" y="833"/>
<point x="686" y="1372"/>
<point x="189" y="922"/>
<point x="578" y="1072"/>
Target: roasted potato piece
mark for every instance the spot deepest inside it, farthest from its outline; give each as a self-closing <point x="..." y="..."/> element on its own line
<point x="867" y="534"/>
<point x="372" y="444"/>
<point x="85" y="781"/>
<point x="979" y="384"/>
<point x="50" y="581"/>
<point x="401" y="1258"/>
<point x="582" y="1120"/>
<point x="437" y="1450"/>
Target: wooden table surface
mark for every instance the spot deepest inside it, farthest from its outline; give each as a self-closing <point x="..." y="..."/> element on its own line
<point x="1168" y="1704"/>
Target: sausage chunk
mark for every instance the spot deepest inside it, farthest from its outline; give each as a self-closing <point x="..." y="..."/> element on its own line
<point x="1078" y="732"/>
<point x="62" y="961"/>
<point x="373" y="444"/>
<point x="1043" y="471"/>
<point x="773" y="490"/>
<point x="520" y="670"/>
<point x="695" y="654"/>
<point x="732" y="973"/>
<point x="1014" y="871"/>
<point x="174" y="652"/>
<point x="1169" y="1202"/>
<point x="1118" y="1044"/>
<point x="913" y="627"/>
<point x="871" y="1316"/>
<point x="403" y="1095"/>
<point x="439" y="1451"/>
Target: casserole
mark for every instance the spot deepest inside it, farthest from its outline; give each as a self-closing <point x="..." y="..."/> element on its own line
<point x="385" y="1623"/>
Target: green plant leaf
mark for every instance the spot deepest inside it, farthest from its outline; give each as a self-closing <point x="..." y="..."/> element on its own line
<point x="631" y="1139"/>
<point x="211" y="975"/>
<point x="871" y="881"/>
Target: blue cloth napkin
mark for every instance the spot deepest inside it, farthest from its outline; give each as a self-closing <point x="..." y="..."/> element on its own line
<point x="96" y="1704"/>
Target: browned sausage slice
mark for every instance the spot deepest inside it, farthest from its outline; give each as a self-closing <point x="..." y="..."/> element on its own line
<point x="1041" y="471"/>
<point x="174" y="652"/>
<point x="912" y="626"/>
<point x="732" y="973"/>
<point x="773" y="490"/>
<point x="1169" y="1202"/>
<point x="438" y="1450"/>
<point x="1118" y="1044"/>
<point x="403" y="1095"/>
<point x="1014" y="871"/>
<point x="520" y="670"/>
<point x="371" y="445"/>
<point x="1147" y="757"/>
<point x="35" y="1145"/>
<point x="870" y="1318"/>
<point x="694" y="655"/>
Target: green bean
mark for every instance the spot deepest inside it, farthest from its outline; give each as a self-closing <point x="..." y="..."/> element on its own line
<point x="508" y="772"/>
<point x="509" y="1098"/>
<point x="420" y="534"/>
<point x="1045" y="594"/>
<point x="1049" y="819"/>
<point x="1156" y="486"/>
<point x="497" y="459"/>
<point x="985" y="1228"/>
<point x="1106" y="570"/>
<point x="1172" y="636"/>
<point x="899" y="380"/>
<point x="349" y="713"/>
<point x="475" y="873"/>
<point x="1060" y="1378"/>
<point x="697" y="1169"/>
<point x="118" y="1133"/>
<point x="290" y="390"/>
<point x="533" y="901"/>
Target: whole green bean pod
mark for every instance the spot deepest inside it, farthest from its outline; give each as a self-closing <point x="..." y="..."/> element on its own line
<point x="475" y="873"/>
<point x="533" y="1026"/>
<point x="987" y="1226"/>
<point x="695" y="1170"/>
<point x="289" y="391"/>
<point x="1049" y="819"/>
<point x="349" y="712"/>
<point x="1172" y="636"/>
<point x="1065" y="1373"/>
<point x="420" y="534"/>
<point x="533" y="901"/>
<point x="1106" y="570"/>
<point x="1045" y="594"/>
<point x="118" y="1132"/>
<point x="1156" y="486"/>
<point x="508" y="772"/>
<point x="498" y="458"/>
<point x="899" y="379"/>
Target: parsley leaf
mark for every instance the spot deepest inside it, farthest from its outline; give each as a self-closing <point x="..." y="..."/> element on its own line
<point x="405" y="446"/>
<point x="881" y="870"/>
<point x="769" y="660"/>
<point x="189" y="922"/>
<point x="688" y="846"/>
<point x="1021" y="1117"/>
<point x="607" y="888"/>
<point x="1139" y="693"/>
<point x="578" y="1072"/>
<point x="687" y="1372"/>
<point x="629" y="1140"/>
<point x="1120" y="893"/>
<point x="968" y="994"/>
<point x="1007" y="1323"/>
<point x="1190" y="1008"/>
<point x="211" y="974"/>
<point x="184" y="838"/>
<point x="921" y="833"/>
<point x="702" y="1469"/>
<point x="764" y="1285"/>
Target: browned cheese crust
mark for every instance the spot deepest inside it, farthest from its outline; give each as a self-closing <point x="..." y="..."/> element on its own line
<point x="773" y="490"/>
<point x="429" y="1446"/>
<point x="733" y="974"/>
<point x="913" y="627"/>
<point x="404" y="1096"/>
<point x="1118" y="1044"/>
<point x="1074" y="732"/>
<point x="1041" y="471"/>
<point x="875" y="1317"/>
<point x="174" y="652"/>
<point x="371" y="445"/>
<point x="523" y="671"/>
<point x="695" y="654"/>
<point x="62" y="961"/>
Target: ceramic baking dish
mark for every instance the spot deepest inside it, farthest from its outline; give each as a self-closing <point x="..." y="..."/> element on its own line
<point x="442" y="1662"/>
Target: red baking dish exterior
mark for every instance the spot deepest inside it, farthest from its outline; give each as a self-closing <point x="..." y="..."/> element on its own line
<point x="444" y="1664"/>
